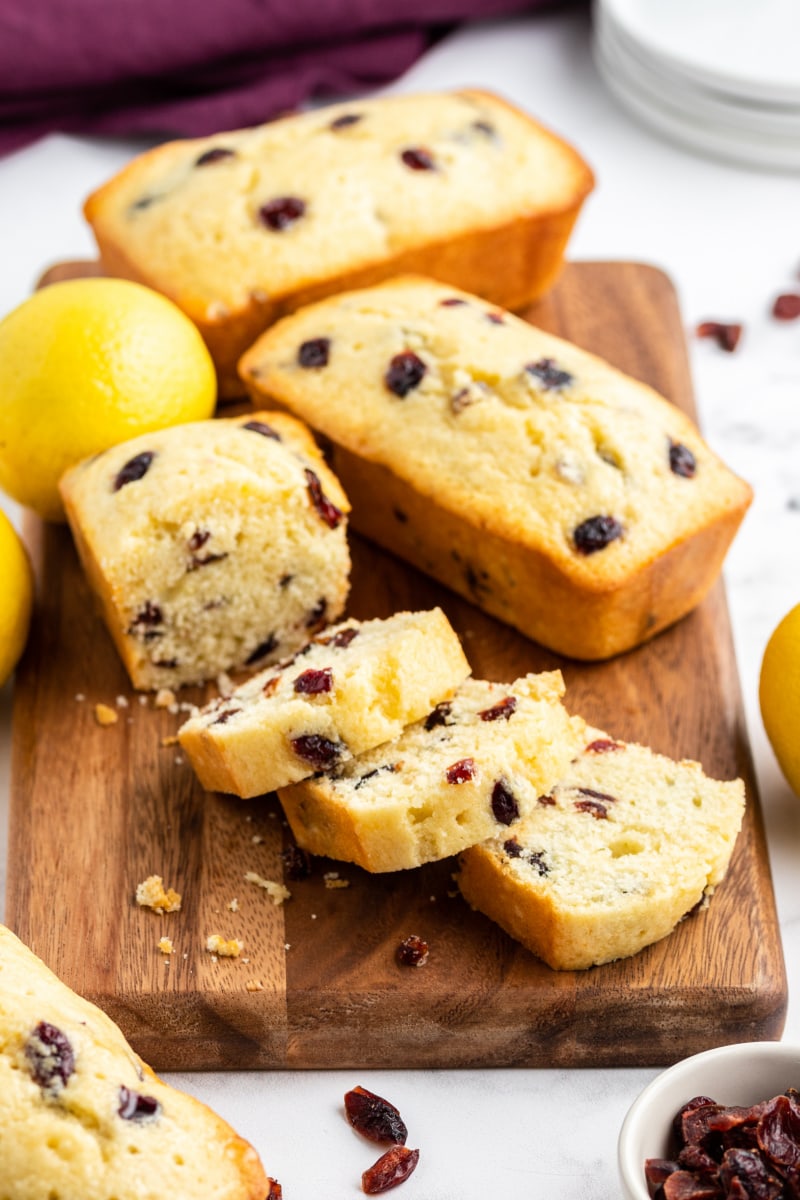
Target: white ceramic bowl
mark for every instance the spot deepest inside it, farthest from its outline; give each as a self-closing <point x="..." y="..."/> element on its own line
<point x="740" y="1074"/>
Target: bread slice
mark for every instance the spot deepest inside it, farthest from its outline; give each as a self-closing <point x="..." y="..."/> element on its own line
<point x="476" y="764"/>
<point x="354" y="686"/>
<point x="81" y="1116"/>
<point x="611" y="858"/>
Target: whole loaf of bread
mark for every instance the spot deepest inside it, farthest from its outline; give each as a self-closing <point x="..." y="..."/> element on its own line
<point x="241" y="228"/>
<point x="558" y="494"/>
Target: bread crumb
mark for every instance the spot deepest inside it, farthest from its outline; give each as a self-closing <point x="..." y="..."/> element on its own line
<point x="234" y="905"/>
<point x="276" y="891"/>
<point x="332" y="880"/>
<point x="256" y="839"/>
<point x="165" y="945"/>
<point x="122" y="701"/>
<point x="313" y="916"/>
<point x="164" y="698"/>
<point x="224" y="947"/>
<point x="254" y="985"/>
<point x="142" y="699"/>
<point x="79" y="696"/>
<point x="287" y="945"/>
<point x="178" y="760"/>
<point x="172" y="740"/>
<point x="152" y="894"/>
<point x="105" y="715"/>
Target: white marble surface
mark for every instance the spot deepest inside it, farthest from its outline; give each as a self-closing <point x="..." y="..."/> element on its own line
<point x="729" y="239"/>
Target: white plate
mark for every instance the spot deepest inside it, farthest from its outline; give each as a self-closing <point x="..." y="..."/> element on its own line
<point x="744" y="47"/>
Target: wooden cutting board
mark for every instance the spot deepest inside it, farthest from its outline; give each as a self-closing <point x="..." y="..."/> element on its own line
<point x="95" y="810"/>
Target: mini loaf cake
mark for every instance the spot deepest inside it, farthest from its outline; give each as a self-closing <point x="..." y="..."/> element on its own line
<point x="241" y="228"/>
<point x="475" y="765"/>
<point x="83" y="1118"/>
<point x="610" y="859"/>
<point x="550" y="489"/>
<point x="213" y="545"/>
<point x="351" y="688"/>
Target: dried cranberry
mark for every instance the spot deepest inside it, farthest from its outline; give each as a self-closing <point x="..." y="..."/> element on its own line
<point x="725" y="335"/>
<point x="405" y="373"/>
<point x="547" y="801"/>
<point x="594" y="808"/>
<point x="412" y="952"/>
<point x="501" y="711"/>
<point x="199" y="539"/>
<point x="392" y="1168"/>
<point x="50" y="1057"/>
<point x="452" y="302"/>
<point x="142" y="624"/>
<point x="439" y="716"/>
<point x="346" y="120"/>
<point x="296" y="862"/>
<point x="262" y="650"/>
<point x="319" y="751"/>
<point x="536" y="862"/>
<point x="681" y="460"/>
<point x="280" y="213"/>
<point x="595" y="795"/>
<point x="551" y="377"/>
<point x="143" y="202"/>
<point x="263" y="428"/>
<point x="214" y="155"/>
<point x="330" y="514"/>
<point x="496" y="318"/>
<point x="419" y="159"/>
<point x="787" y="307"/>
<point x="314" y="352"/>
<point x="461" y="771"/>
<point x="596" y="533"/>
<point x="168" y="664"/>
<point x="226" y="715"/>
<point x="374" y="1117"/>
<point x="135" y="468"/>
<point x="343" y="638"/>
<point x="485" y="128"/>
<point x="779" y="1132"/>
<point x="313" y="683"/>
<point x="604" y="745"/>
<point x="317" y="614"/>
<point x="504" y="803"/>
<point x="275" y="1191"/>
<point x="134" y="1107"/>
<point x="512" y="848"/>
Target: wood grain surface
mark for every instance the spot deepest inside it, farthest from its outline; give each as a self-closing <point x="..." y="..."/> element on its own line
<point x="95" y="810"/>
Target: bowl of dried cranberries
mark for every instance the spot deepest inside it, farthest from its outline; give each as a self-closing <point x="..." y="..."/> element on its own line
<point x="721" y="1124"/>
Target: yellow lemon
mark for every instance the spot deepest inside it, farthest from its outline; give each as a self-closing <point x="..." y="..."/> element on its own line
<point x="84" y="365"/>
<point x="16" y="597"/>
<point x="779" y="694"/>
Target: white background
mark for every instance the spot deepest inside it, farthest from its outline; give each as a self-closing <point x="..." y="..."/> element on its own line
<point x="730" y="239"/>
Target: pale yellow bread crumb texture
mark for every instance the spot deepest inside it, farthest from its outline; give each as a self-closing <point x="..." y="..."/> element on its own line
<point x="165" y="945"/>
<point x="402" y="804"/>
<point x="104" y="715"/>
<point x="492" y="469"/>
<point x="223" y="947"/>
<point x="494" y="213"/>
<point x="630" y="844"/>
<point x="70" y="1141"/>
<point x="391" y="673"/>
<point x="217" y="554"/>
<point x="151" y="893"/>
<point x="276" y="891"/>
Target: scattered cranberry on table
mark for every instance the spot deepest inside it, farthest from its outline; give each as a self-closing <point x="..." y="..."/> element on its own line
<point x="725" y="335"/>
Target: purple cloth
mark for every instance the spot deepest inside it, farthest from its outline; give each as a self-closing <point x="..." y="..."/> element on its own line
<point x="194" y="67"/>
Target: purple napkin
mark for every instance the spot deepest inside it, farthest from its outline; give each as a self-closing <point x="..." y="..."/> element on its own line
<point x="194" y="67"/>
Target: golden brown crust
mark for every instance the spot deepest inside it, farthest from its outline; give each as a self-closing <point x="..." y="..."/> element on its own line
<point x="521" y="585"/>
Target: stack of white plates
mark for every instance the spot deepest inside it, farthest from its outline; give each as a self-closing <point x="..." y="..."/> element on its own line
<point x="720" y="76"/>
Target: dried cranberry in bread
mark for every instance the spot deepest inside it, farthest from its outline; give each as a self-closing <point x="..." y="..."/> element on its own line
<point x="547" y="487"/>
<point x="83" y="1118"/>
<point x="243" y="227"/>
